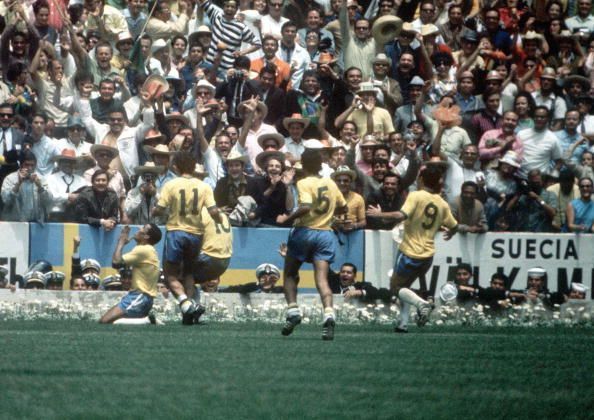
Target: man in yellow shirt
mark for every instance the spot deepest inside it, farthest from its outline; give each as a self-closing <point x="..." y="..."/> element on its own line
<point x="312" y="240"/>
<point x="183" y="199"/>
<point x="424" y="213"/>
<point x="145" y="273"/>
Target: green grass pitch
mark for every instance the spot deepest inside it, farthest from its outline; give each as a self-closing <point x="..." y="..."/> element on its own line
<point x="242" y="371"/>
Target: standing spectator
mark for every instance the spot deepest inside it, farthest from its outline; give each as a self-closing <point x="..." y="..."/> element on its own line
<point x="141" y="199"/>
<point x="25" y="194"/>
<point x="359" y="48"/>
<point x="494" y="144"/>
<point x="469" y="211"/>
<point x="75" y="137"/>
<point x="135" y="17"/>
<point x="384" y="202"/>
<point x="580" y="212"/>
<point x="565" y="190"/>
<point x="546" y="97"/>
<point x="162" y="26"/>
<point x="293" y="54"/>
<point x="98" y="205"/>
<point x="534" y="208"/>
<point x="488" y="118"/>
<point x="44" y="148"/>
<point x="273" y="97"/>
<point x="228" y="30"/>
<point x="355" y="216"/>
<point x="270" y="49"/>
<point x="104" y="155"/>
<point x="389" y="89"/>
<point x="541" y="147"/>
<point x="370" y="119"/>
<point x="272" y="23"/>
<point x="63" y="186"/>
<point x="11" y="142"/>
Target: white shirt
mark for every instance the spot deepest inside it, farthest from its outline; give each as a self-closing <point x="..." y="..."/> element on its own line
<point x="540" y="148"/>
<point x="213" y="164"/>
<point x="44" y="150"/>
<point x="58" y="183"/>
<point x="128" y="140"/>
<point x="252" y="147"/>
<point x="553" y="103"/>
<point x="300" y="56"/>
<point x="270" y="26"/>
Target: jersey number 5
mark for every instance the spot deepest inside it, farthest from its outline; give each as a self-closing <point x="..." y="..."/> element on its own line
<point x="430" y="214"/>
<point x="322" y="202"/>
<point x="182" y="202"/>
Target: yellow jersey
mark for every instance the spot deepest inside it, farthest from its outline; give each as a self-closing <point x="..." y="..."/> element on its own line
<point x="426" y="213"/>
<point x="324" y="197"/>
<point x="218" y="237"/>
<point x="145" y="268"/>
<point x="185" y="197"/>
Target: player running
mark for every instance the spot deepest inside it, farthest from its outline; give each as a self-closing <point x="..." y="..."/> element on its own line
<point x="145" y="273"/>
<point x="183" y="199"/>
<point x="424" y="212"/>
<point x="312" y="240"/>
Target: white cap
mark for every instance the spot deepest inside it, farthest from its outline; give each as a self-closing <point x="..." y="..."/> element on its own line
<point x="267" y="269"/>
<point x="579" y="287"/>
<point x="537" y="272"/>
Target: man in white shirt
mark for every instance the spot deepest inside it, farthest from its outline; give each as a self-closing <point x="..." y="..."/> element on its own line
<point x="253" y="112"/>
<point x="272" y="23"/>
<point x="541" y="147"/>
<point x="546" y="96"/>
<point x="293" y="53"/>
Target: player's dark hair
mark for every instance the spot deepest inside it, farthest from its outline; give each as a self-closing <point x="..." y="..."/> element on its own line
<point x="432" y="176"/>
<point x="469" y="184"/>
<point x="154" y="234"/>
<point x="311" y="159"/>
<point x="348" y="264"/>
<point x="185" y="162"/>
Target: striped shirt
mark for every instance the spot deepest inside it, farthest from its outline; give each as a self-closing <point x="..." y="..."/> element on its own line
<point x="231" y="32"/>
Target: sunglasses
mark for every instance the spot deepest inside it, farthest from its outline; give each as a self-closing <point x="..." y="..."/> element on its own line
<point x="6" y="115"/>
<point x="275" y="5"/>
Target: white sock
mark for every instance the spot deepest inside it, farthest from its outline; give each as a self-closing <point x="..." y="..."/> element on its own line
<point x="181" y="298"/>
<point x="133" y="321"/>
<point x="404" y="314"/>
<point x="408" y="296"/>
<point x="293" y="311"/>
<point x="328" y="314"/>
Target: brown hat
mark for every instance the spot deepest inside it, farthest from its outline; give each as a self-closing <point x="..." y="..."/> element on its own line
<point x="263" y="158"/>
<point x="176" y="116"/>
<point x="67" y="155"/>
<point x="279" y="139"/>
<point x="159" y="149"/>
<point x="574" y="78"/>
<point x="295" y="118"/>
<point x="344" y="170"/>
<point x="149" y="168"/>
<point x="494" y="75"/>
<point x="104" y="148"/>
<point x="234" y="155"/>
<point x="154" y="135"/>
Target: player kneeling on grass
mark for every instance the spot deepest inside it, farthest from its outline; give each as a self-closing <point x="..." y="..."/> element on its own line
<point x="145" y="273"/>
<point x="424" y="212"/>
<point x="312" y="239"/>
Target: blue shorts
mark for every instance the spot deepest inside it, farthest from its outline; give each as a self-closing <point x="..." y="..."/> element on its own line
<point x="409" y="269"/>
<point x="209" y="268"/>
<point x="309" y="245"/>
<point x="181" y="246"/>
<point x="136" y="304"/>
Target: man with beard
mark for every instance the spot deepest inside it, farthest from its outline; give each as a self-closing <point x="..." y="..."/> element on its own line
<point x="534" y="208"/>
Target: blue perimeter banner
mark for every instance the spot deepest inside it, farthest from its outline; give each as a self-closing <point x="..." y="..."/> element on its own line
<point x="251" y="247"/>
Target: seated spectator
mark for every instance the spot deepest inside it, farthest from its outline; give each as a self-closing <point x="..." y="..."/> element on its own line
<point x="63" y="186"/>
<point x="98" y="205"/>
<point x="469" y="211"/>
<point x="496" y="296"/>
<point x="141" y="199"/>
<point x="354" y="218"/>
<point x="346" y="284"/>
<point x="267" y="275"/>
<point x="25" y="194"/>
<point x="462" y="282"/>
<point x="112" y="283"/>
<point x="580" y="211"/>
<point x="565" y="190"/>
<point x="34" y="280"/>
<point x="533" y="207"/>
<point x="537" y="291"/>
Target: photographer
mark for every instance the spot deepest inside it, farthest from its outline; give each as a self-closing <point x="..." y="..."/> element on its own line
<point x="143" y="198"/>
<point x="24" y="193"/>
<point x="237" y="88"/>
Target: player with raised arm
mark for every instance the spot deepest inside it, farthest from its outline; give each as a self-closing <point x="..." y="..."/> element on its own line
<point x="145" y="273"/>
<point x="182" y="199"/>
<point x="312" y="240"/>
<point x="424" y="213"/>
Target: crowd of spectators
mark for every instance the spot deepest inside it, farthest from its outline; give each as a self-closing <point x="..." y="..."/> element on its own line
<point x="96" y="95"/>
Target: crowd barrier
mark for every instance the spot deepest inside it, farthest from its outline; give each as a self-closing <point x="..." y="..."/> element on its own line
<point x="566" y="257"/>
